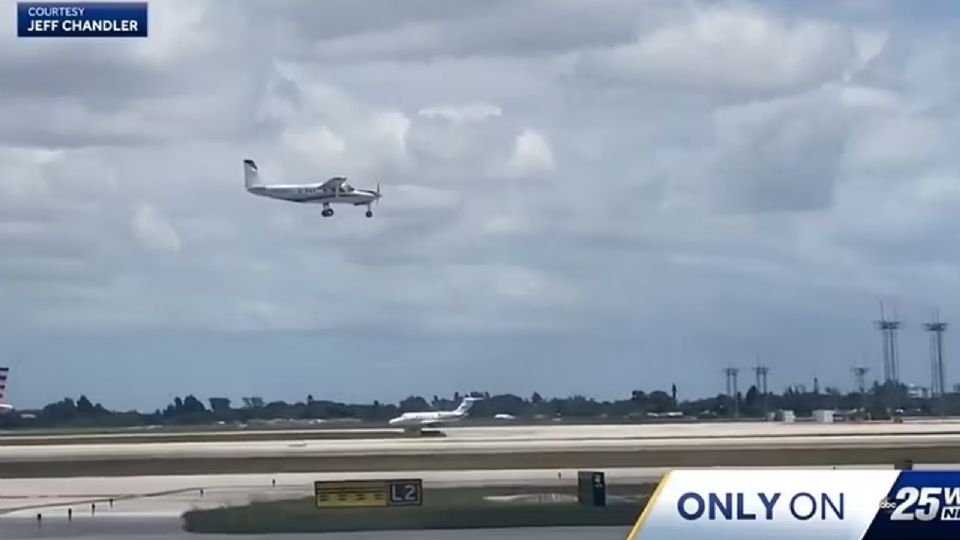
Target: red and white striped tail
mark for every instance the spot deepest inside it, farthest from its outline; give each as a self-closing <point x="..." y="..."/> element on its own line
<point x="4" y="373"/>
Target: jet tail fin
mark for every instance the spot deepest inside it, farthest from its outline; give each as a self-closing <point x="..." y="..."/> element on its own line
<point x="251" y="175"/>
<point x="4" y="373"/>
<point x="466" y="405"/>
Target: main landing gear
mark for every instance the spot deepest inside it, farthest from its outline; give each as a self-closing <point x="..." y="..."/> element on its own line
<point x="327" y="211"/>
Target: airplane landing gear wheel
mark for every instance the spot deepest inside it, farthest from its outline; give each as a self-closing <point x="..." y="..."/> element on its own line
<point x="327" y="212"/>
<point x="369" y="213"/>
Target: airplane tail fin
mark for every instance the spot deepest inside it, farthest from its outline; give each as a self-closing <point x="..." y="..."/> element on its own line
<point x="466" y="405"/>
<point x="4" y="373"/>
<point x="251" y="176"/>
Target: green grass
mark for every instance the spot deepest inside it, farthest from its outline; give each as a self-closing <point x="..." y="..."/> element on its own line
<point x="449" y="508"/>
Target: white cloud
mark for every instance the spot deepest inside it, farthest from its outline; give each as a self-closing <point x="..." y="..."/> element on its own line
<point x="531" y="154"/>
<point x="153" y="230"/>
<point x="473" y="112"/>
<point x="738" y="49"/>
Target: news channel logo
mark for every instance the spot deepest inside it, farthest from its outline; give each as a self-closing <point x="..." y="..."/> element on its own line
<point x="926" y="503"/>
<point x="82" y="19"/>
<point x="830" y="504"/>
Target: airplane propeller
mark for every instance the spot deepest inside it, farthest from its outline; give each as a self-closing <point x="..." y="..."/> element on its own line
<point x="378" y="194"/>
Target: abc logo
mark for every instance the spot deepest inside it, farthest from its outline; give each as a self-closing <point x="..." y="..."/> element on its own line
<point x="887" y="505"/>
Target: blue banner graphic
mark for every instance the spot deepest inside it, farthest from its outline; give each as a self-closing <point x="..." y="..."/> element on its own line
<point x="921" y="504"/>
<point x="82" y="19"/>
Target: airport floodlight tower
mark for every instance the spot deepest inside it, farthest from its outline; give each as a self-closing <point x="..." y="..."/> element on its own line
<point x="731" y="373"/>
<point x="761" y="373"/>
<point x="938" y="373"/>
<point x="891" y="361"/>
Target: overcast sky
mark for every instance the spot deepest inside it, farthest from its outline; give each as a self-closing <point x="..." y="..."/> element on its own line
<point x="580" y="196"/>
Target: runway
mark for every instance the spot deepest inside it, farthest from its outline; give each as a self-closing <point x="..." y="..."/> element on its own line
<point x="556" y="447"/>
<point x="510" y="439"/>
<point x="518" y="432"/>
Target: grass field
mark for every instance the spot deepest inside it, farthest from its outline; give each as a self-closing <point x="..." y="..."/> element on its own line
<point x="442" y="509"/>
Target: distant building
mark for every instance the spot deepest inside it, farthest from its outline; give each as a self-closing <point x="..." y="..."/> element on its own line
<point x="917" y="392"/>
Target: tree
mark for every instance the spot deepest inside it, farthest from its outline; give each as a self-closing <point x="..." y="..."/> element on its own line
<point x="751" y="403"/>
<point x="84" y="407"/>
<point x="192" y="405"/>
<point x="660" y="402"/>
<point x="536" y="398"/>
<point x="219" y="404"/>
<point x="414" y="404"/>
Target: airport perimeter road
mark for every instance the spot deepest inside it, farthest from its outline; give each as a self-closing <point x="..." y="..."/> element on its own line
<point x="554" y="447"/>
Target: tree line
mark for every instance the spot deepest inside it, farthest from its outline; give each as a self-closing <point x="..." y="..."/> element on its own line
<point x="880" y="401"/>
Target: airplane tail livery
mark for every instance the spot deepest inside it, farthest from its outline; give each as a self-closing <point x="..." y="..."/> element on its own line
<point x="251" y="176"/>
<point x="4" y="374"/>
<point x="465" y="405"/>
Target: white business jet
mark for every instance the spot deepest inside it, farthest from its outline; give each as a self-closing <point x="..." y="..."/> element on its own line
<point x="414" y="421"/>
<point x="334" y="191"/>
<point x="4" y="406"/>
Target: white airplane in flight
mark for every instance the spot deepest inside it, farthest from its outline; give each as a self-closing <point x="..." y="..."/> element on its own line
<point x="334" y="191"/>
<point x="4" y="407"/>
<point x="414" y="421"/>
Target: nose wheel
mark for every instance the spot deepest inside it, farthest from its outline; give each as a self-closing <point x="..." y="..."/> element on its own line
<point x="369" y="213"/>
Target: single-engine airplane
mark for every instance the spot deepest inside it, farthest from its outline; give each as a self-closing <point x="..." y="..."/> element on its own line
<point x="334" y="191"/>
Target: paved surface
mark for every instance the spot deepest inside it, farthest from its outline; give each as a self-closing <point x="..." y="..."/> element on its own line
<point x="523" y="439"/>
<point x="156" y="496"/>
<point x="493" y="448"/>
<point x="164" y="529"/>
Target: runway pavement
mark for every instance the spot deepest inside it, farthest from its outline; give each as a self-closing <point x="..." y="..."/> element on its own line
<point x="561" y="446"/>
<point x="548" y="431"/>
<point x="521" y="439"/>
<point x="557" y="430"/>
<point x="157" y="496"/>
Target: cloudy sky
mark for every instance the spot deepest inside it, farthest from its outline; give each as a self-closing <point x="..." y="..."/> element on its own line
<point x="580" y="196"/>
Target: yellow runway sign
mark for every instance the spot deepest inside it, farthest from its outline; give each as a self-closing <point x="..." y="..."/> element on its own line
<point x="368" y="493"/>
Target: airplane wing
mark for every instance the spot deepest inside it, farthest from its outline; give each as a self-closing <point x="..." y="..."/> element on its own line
<point x="333" y="183"/>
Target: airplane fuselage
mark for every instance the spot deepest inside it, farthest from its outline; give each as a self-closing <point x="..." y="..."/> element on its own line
<point x="425" y="419"/>
<point x="316" y="194"/>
